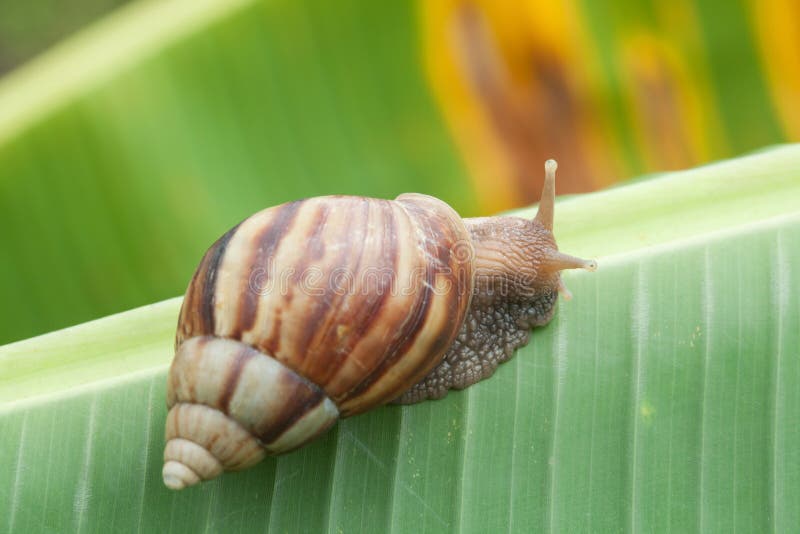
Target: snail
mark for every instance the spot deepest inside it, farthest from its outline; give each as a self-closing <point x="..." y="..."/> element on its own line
<point x="327" y="307"/>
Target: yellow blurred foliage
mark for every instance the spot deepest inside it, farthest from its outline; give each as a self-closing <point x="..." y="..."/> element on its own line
<point x="522" y="81"/>
<point x="778" y="28"/>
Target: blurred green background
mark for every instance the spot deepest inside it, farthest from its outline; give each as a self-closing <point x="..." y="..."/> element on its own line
<point x="129" y="146"/>
<point x="29" y="28"/>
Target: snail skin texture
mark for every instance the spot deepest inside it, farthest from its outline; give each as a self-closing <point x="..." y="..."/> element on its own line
<point x="328" y="307"/>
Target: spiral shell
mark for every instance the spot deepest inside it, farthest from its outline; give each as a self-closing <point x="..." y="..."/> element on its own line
<point x="307" y="312"/>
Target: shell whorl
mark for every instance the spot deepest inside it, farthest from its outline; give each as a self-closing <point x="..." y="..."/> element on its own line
<point x="230" y="405"/>
<point x="355" y="298"/>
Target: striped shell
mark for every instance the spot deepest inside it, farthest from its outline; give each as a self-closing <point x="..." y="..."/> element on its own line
<point x="306" y="312"/>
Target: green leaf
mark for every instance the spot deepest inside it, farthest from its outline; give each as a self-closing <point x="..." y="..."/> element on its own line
<point x="665" y="396"/>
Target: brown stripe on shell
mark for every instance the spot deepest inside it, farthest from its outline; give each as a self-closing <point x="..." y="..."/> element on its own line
<point x="355" y="312"/>
<point x="409" y="330"/>
<point x="179" y="376"/>
<point x="458" y="297"/>
<point x="314" y="435"/>
<point x="264" y="247"/>
<point x="310" y="356"/>
<point x="210" y="284"/>
<point x="232" y="380"/>
<point x="298" y="404"/>
<point x="315" y="243"/>
<point x="401" y="343"/>
<point x="406" y="261"/>
<point x="272" y="344"/>
<point x="442" y="232"/>
<point x="445" y="337"/>
<point x="362" y="319"/>
<point x="197" y="311"/>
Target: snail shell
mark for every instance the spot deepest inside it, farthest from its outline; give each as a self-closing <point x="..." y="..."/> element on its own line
<point x="327" y="307"/>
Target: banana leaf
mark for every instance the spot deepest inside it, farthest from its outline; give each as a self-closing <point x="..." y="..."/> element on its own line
<point x="665" y="396"/>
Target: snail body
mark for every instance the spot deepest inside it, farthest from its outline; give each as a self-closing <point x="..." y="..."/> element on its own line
<point x="328" y="307"/>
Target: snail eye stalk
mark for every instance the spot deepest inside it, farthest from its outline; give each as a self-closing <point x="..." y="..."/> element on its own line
<point x="547" y="203"/>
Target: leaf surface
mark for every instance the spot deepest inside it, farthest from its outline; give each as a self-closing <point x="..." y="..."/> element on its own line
<point x="664" y="396"/>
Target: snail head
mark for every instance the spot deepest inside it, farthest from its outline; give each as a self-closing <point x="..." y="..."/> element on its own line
<point x="552" y="260"/>
<point x="518" y="257"/>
